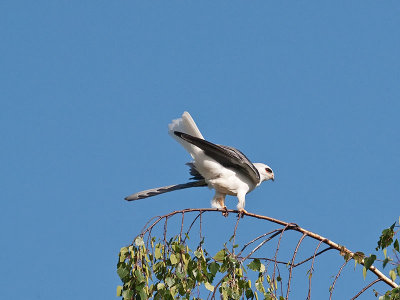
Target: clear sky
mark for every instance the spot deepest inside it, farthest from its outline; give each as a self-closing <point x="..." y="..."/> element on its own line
<point x="311" y="88"/>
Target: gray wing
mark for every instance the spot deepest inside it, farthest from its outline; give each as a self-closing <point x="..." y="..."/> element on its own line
<point x="165" y="189"/>
<point x="227" y="156"/>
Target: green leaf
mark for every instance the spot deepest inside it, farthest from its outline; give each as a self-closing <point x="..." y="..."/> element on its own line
<point x="396" y="245"/>
<point x="123" y="253"/>
<point x="393" y="225"/>
<point x="143" y="294"/>
<point x="385" y="261"/>
<point x="173" y="259"/>
<point x="209" y="286"/>
<point x="197" y="254"/>
<point x="139" y="241"/>
<point x="358" y="256"/>
<point x="119" y="291"/>
<point x="386" y="238"/>
<point x="347" y="256"/>
<point x="139" y="276"/>
<point x="220" y="255"/>
<point x="255" y="265"/>
<point x="158" y="251"/>
<point x="262" y="268"/>
<point x="259" y="286"/>
<point x="249" y="294"/>
<point x="213" y="267"/>
<point x="392" y="275"/>
<point x="122" y="272"/>
<point x="169" y="281"/>
<point x="368" y="261"/>
<point x="160" y="286"/>
<point x="127" y="294"/>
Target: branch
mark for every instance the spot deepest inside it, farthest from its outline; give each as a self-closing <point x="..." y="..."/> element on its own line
<point x="292" y="263"/>
<point x="365" y="288"/>
<point x="336" y="278"/>
<point x="288" y="226"/>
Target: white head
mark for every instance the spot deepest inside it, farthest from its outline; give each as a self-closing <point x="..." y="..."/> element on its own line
<point x="266" y="172"/>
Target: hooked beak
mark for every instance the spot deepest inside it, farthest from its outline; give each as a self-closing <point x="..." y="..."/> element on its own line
<point x="273" y="177"/>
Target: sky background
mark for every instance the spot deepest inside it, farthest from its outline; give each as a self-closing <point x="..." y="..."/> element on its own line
<point x="311" y="88"/>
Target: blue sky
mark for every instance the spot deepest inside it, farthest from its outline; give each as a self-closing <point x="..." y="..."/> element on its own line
<point x="88" y="88"/>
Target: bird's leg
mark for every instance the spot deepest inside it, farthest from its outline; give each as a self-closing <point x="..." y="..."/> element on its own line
<point x="242" y="199"/>
<point x="219" y="202"/>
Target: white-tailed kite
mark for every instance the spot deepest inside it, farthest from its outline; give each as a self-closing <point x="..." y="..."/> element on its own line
<point x="224" y="169"/>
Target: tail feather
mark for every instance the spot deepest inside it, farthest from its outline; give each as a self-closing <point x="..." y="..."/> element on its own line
<point x="165" y="189"/>
<point x="187" y="125"/>
<point x="190" y="126"/>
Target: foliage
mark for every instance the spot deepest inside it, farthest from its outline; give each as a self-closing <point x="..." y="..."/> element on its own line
<point x="170" y="269"/>
<point x="167" y="268"/>
<point x="388" y="240"/>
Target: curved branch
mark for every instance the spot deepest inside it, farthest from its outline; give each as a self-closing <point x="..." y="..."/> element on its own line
<point x="336" y="278"/>
<point x="288" y="226"/>
<point x="366" y="288"/>
<point x="292" y="263"/>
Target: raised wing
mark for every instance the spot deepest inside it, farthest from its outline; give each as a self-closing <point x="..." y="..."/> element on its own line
<point x="227" y="156"/>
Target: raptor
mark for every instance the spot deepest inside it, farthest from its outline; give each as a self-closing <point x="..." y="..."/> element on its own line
<point x="225" y="169"/>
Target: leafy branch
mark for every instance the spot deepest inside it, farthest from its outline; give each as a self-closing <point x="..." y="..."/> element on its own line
<point x="167" y="268"/>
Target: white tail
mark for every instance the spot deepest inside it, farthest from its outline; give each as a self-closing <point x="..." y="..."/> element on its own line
<point x="187" y="125"/>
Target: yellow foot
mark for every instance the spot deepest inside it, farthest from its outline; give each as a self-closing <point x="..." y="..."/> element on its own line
<point x="225" y="213"/>
<point x="242" y="211"/>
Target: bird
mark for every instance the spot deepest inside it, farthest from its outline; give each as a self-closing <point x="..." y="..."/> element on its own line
<point x="222" y="168"/>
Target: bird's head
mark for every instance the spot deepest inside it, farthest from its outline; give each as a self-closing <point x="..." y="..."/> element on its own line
<point x="265" y="171"/>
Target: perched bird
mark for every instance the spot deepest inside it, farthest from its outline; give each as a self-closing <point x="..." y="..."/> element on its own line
<point x="224" y="169"/>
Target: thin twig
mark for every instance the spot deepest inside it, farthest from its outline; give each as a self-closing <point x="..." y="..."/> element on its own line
<point x="190" y="227"/>
<point x="312" y="267"/>
<point x="234" y="233"/>
<point x="276" y="251"/>
<point x="292" y="263"/>
<point x="183" y="218"/>
<point x="336" y="278"/>
<point x="257" y="238"/>
<point x="279" y="274"/>
<point x="201" y="213"/>
<point x="366" y="288"/>
<point x="165" y="237"/>
<point x="216" y="286"/>
<point x="267" y="259"/>
<point x="315" y="255"/>
<point x="261" y="244"/>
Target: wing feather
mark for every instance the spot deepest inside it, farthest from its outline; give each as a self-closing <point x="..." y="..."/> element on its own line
<point x="227" y="156"/>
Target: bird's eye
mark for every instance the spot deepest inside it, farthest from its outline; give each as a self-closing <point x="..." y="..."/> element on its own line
<point x="268" y="170"/>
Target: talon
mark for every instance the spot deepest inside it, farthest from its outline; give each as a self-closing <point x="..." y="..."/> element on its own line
<point x="225" y="213"/>
<point x="242" y="211"/>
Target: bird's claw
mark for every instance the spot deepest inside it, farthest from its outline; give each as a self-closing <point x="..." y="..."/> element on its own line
<point x="242" y="212"/>
<point x="225" y="212"/>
